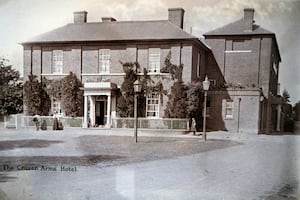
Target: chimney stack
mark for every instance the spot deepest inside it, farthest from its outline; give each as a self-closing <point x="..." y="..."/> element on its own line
<point x="80" y="17"/>
<point x="176" y="16"/>
<point x="248" y="19"/>
<point x="108" y="19"/>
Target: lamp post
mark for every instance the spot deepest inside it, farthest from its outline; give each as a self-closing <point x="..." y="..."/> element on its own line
<point x="137" y="89"/>
<point x="206" y="84"/>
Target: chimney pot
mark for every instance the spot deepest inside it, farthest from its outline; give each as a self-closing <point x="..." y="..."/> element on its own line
<point x="80" y="17"/>
<point x="176" y="16"/>
<point x="108" y="19"/>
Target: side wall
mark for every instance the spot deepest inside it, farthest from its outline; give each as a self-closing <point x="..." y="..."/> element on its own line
<point x="246" y="111"/>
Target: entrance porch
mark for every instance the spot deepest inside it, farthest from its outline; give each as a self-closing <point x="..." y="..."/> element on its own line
<point x="99" y="104"/>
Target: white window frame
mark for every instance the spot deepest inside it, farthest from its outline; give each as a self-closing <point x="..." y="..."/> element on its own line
<point x="152" y="105"/>
<point x="229" y="106"/>
<point x="154" y="60"/>
<point x="57" y="61"/>
<point x="104" y="61"/>
<point x="56" y="106"/>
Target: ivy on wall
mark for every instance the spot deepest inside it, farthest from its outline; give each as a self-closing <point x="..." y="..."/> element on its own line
<point x="67" y="90"/>
<point x="72" y="96"/>
<point x="125" y="104"/>
<point x="36" y="98"/>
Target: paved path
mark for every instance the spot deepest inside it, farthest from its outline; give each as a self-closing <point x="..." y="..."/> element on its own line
<point x="258" y="169"/>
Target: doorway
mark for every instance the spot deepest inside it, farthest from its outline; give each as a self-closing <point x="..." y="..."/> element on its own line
<point x="100" y="111"/>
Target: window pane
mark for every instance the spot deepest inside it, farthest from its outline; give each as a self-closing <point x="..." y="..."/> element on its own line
<point x="152" y="105"/>
<point x="154" y="60"/>
<point x="104" y="60"/>
<point x="229" y="109"/>
<point x="57" y="61"/>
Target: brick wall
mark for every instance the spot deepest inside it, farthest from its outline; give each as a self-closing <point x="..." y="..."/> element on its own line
<point x="245" y="111"/>
<point x="83" y="61"/>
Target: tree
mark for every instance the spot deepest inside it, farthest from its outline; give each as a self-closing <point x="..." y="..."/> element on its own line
<point x="297" y="111"/>
<point x="177" y="103"/>
<point x="11" y="95"/>
<point x="71" y="95"/>
<point x="126" y="101"/>
<point x="286" y="96"/>
<point x="176" y="106"/>
<point x="36" y="98"/>
<point x="195" y="102"/>
<point x="288" y="112"/>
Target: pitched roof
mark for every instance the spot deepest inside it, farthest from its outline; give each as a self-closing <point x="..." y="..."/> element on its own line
<point x="113" y="31"/>
<point x="237" y="28"/>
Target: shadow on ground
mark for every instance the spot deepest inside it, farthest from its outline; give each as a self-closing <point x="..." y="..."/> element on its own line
<point x="284" y="192"/>
<point x="13" y="144"/>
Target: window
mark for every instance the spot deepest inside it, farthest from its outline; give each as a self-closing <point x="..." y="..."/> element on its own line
<point x="212" y="82"/>
<point x="153" y="105"/>
<point x="238" y="46"/>
<point x="228" y="109"/>
<point x="57" y="61"/>
<point x="56" y="106"/>
<point x="154" y="60"/>
<point x="198" y="64"/>
<point x="104" y="60"/>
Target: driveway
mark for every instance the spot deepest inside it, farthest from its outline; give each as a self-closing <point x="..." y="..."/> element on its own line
<point x="107" y="164"/>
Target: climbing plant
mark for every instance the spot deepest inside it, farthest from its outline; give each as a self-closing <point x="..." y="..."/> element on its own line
<point x="177" y="103"/>
<point x="125" y="105"/>
<point x="71" y="95"/>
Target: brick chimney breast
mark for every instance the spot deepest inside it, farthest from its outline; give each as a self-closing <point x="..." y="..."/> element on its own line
<point x="176" y="16"/>
<point x="248" y="19"/>
<point x="80" y="17"/>
<point x="108" y="19"/>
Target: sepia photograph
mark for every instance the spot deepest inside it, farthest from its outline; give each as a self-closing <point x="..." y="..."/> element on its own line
<point x="161" y="99"/>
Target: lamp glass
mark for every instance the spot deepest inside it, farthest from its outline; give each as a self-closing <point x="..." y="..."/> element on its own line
<point x="137" y="86"/>
<point x="206" y="84"/>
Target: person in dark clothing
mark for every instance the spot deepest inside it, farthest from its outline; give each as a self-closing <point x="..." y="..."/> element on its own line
<point x="55" y="123"/>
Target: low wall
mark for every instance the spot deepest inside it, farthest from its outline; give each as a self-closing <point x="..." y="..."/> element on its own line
<point x="22" y="121"/>
<point x="146" y="123"/>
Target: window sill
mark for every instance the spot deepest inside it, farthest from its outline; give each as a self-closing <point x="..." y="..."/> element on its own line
<point x="239" y="51"/>
<point x="55" y="74"/>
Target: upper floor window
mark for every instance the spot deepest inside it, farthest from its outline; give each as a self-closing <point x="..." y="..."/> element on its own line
<point x="104" y="60"/>
<point x="152" y="108"/>
<point x="154" y="60"/>
<point x="57" y="61"/>
<point x="238" y="46"/>
<point x="198" y="64"/>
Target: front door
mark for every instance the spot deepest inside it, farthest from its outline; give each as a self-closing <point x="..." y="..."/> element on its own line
<point x="100" y="113"/>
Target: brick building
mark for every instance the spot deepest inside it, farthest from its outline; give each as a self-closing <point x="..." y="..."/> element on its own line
<point x="241" y="60"/>
<point x="248" y="57"/>
<point x="93" y="51"/>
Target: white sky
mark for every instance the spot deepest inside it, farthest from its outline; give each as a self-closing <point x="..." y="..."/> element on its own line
<point x="24" y="19"/>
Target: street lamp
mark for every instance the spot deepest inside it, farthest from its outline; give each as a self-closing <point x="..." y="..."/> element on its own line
<point x="206" y="84"/>
<point x="137" y="86"/>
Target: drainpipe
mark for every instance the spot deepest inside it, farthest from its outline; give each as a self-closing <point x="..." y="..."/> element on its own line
<point x="239" y="108"/>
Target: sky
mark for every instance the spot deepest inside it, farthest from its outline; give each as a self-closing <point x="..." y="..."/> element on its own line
<point x="21" y="20"/>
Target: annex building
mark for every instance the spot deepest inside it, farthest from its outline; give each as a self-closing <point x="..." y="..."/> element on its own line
<point x="241" y="60"/>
